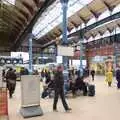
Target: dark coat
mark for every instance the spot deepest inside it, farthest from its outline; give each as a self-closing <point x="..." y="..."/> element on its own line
<point x="59" y="79"/>
<point x="93" y="72"/>
<point x="11" y="80"/>
<point x="11" y="76"/>
<point x="118" y="75"/>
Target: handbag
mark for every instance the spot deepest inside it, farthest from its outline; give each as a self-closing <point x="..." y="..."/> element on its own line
<point x="45" y="93"/>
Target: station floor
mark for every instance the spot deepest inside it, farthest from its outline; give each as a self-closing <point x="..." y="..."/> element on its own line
<point x="104" y="106"/>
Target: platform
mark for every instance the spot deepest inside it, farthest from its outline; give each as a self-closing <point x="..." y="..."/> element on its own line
<point x="104" y="106"/>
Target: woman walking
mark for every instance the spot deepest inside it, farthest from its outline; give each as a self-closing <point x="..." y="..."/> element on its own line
<point x="109" y="77"/>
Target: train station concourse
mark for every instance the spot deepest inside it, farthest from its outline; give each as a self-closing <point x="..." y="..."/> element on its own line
<point x="59" y="49"/>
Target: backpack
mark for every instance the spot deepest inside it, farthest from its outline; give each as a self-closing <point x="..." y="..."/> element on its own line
<point x="91" y="90"/>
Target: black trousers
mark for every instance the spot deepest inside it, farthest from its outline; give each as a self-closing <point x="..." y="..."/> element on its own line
<point x="11" y="88"/>
<point x="93" y="77"/>
<point x="59" y="92"/>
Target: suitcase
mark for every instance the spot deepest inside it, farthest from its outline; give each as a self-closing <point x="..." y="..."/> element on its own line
<point x="91" y="90"/>
<point x="45" y="93"/>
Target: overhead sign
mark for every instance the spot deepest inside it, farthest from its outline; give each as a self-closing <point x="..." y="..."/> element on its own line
<point x="30" y="90"/>
<point x="65" y="51"/>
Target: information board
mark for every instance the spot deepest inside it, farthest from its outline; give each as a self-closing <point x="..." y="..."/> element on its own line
<point x="65" y="51"/>
<point x="30" y="90"/>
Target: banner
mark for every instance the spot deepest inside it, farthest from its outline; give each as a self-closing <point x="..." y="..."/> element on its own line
<point x="30" y="90"/>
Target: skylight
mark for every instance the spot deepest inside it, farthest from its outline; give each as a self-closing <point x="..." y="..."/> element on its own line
<point x="53" y="16"/>
<point x="9" y="2"/>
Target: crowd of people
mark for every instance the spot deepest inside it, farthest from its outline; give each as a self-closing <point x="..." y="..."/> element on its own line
<point x="75" y="81"/>
<point x="53" y="80"/>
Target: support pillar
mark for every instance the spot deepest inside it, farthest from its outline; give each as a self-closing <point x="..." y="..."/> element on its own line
<point x="64" y="39"/>
<point x="115" y="47"/>
<point x="65" y="42"/>
<point x="81" y="53"/>
<point x="30" y="54"/>
<point x="55" y="52"/>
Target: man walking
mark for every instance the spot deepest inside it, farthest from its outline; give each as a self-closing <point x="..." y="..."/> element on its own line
<point x="11" y="81"/>
<point x="59" y="84"/>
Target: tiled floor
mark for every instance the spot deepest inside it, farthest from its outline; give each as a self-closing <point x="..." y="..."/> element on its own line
<point x="104" y="106"/>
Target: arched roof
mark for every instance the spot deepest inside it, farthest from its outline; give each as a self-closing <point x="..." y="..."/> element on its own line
<point x="15" y="16"/>
<point x="84" y="13"/>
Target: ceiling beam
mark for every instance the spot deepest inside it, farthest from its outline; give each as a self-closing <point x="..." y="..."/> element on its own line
<point x="83" y="20"/>
<point x="21" y="11"/>
<point x="93" y="35"/>
<point x="11" y="17"/>
<point x="37" y="3"/>
<point x="29" y="7"/>
<point x="11" y="22"/>
<point x="101" y="33"/>
<point x="93" y="12"/>
<point x="110" y="30"/>
<point x="74" y="24"/>
<point x="108" y="6"/>
<point x="15" y="13"/>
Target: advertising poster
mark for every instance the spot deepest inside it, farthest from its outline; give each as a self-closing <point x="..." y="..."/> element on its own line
<point x="30" y="90"/>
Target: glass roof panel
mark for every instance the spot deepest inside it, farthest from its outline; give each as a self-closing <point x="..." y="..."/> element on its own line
<point x="117" y="30"/>
<point x="117" y="9"/>
<point x="91" y="21"/>
<point x="9" y="1"/>
<point x="53" y="16"/>
<point x="98" y="36"/>
<point x="104" y="15"/>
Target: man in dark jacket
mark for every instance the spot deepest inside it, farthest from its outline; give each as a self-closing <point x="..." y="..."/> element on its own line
<point x="118" y="77"/>
<point x="11" y="81"/>
<point x="59" y="84"/>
